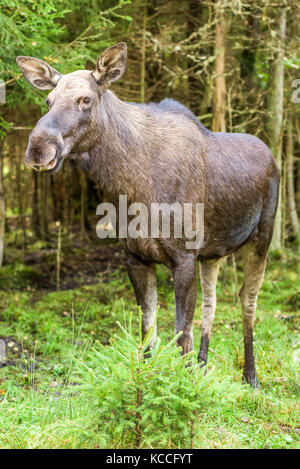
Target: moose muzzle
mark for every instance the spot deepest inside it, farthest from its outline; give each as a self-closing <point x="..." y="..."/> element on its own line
<point x="44" y="150"/>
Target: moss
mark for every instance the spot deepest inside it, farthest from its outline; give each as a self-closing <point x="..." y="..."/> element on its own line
<point x="19" y="277"/>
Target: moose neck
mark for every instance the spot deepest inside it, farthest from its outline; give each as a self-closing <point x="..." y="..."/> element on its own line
<point x="121" y="158"/>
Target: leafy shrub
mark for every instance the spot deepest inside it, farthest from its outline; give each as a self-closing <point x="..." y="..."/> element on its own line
<point x="154" y="401"/>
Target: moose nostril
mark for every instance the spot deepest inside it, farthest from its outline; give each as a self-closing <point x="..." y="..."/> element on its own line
<point x="36" y="167"/>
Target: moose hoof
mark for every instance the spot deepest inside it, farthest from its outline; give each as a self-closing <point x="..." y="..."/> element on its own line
<point x="202" y="361"/>
<point x="251" y="379"/>
<point x="186" y="343"/>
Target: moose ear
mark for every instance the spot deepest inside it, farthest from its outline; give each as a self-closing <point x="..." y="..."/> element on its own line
<point x="111" y="64"/>
<point x="38" y="73"/>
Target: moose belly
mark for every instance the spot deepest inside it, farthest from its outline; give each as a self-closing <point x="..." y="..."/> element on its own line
<point x="148" y="249"/>
<point x="221" y="238"/>
<point x="225" y="237"/>
<point x="159" y="250"/>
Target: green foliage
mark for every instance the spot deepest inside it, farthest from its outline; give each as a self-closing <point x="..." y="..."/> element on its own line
<point x="64" y="340"/>
<point x="40" y="29"/>
<point x="18" y="277"/>
<point x="153" y="401"/>
<point x="27" y="28"/>
<point x="4" y="127"/>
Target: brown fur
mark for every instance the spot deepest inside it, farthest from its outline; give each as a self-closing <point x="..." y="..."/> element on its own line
<point x="162" y="153"/>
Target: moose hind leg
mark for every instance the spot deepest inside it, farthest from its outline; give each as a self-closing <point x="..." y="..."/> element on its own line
<point x="143" y="279"/>
<point x="208" y="274"/>
<point x="254" y="269"/>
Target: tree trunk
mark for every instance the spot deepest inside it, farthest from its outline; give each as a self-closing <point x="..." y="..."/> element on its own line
<point x="21" y="208"/>
<point x="276" y="116"/>
<point x="83" y="208"/>
<point x="45" y="230"/>
<point x="2" y="206"/>
<point x="290" y="180"/>
<point x="220" y="84"/>
<point x="195" y="99"/>
<point x="35" y="205"/>
<point x="143" y="61"/>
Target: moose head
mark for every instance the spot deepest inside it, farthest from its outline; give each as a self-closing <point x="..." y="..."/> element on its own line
<point x="70" y="124"/>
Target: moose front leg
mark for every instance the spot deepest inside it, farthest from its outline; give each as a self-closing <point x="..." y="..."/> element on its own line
<point x="185" y="293"/>
<point x="143" y="279"/>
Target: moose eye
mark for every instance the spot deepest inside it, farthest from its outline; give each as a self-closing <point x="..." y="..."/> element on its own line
<point x="87" y="100"/>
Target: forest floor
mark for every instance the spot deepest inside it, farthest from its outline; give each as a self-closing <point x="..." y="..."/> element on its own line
<point x="56" y="342"/>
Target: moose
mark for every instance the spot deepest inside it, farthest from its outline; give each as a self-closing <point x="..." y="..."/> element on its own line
<point x="160" y="152"/>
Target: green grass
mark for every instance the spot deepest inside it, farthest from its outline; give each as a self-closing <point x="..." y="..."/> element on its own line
<point x="61" y="339"/>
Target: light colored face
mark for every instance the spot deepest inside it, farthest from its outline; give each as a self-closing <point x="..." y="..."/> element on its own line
<point x="78" y="87"/>
<point x="70" y="126"/>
